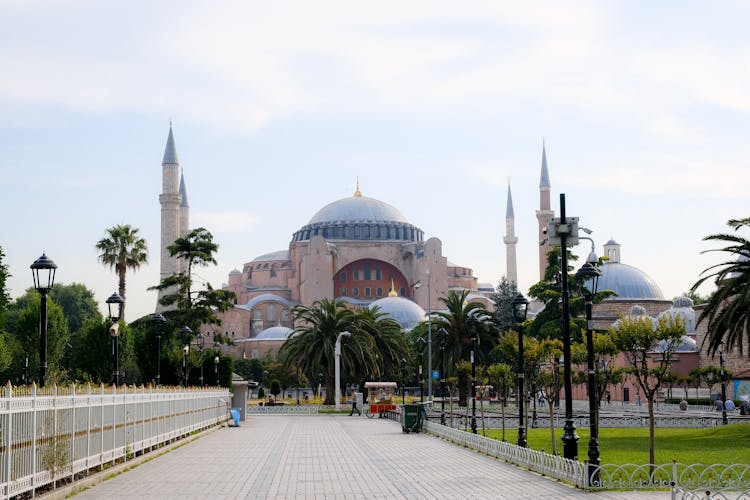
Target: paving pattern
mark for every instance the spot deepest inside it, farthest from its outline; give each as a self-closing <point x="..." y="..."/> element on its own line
<point x="329" y="457"/>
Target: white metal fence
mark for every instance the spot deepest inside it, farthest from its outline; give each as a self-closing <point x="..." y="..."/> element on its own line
<point x="52" y="434"/>
<point x="283" y="410"/>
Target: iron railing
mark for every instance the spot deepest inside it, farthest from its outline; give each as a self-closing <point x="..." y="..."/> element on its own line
<point x="57" y="433"/>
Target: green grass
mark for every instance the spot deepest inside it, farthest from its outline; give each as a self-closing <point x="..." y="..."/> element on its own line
<point x="723" y="444"/>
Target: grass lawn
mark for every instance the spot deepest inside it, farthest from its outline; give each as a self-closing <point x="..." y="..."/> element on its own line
<point x="725" y="444"/>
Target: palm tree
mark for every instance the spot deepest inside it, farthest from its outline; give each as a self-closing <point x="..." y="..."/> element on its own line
<point x="311" y="346"/>
<point x="391" y="345"/>
<point x="122" y="249"/>
<point x="728" y="309"/>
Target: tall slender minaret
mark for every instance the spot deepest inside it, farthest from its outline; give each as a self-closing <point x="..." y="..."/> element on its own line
<point x="545" y="214"/>
<point x="170" y="201"/>
<point x="510" y="241"/>
<point x="184" y="208"/>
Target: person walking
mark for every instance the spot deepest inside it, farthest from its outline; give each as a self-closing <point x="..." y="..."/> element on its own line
<point x="354" y="405"/>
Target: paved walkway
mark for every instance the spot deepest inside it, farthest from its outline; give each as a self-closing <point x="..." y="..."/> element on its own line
<point x="331" y="457"/>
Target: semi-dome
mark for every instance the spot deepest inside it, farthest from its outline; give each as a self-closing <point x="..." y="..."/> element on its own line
<point x="273" y="256"/>
<point x="274" y="333"/>
<point x="406" y="313"/>
<point x="359" y="218"/>
<point x="629" y="282"/>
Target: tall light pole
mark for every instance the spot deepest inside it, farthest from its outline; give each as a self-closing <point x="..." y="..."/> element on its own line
<point x="43" y="272"/>
<point x="403" y="380"/>
<point x="429" y="337"/>
<point x="186" y="334"/>
<point x="520" y="307"/>
<point x="473" y="324"/>
<point x="420" y="357"/>
<point x="114" y="331"/>
<point x="216" y="370"/>
<point x="200" y="341"/>
<point x="443" y="337"/>
<point x="724" y="419"/>
<point x="589" y="277"/>
<point x="158" y="320"/>
<point x="337" y="367"/>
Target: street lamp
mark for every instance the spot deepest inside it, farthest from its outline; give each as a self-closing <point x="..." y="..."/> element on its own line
<point x="589" y="277"/>
<point x="473" y="324"/>
<point x="520" y="308"/>
<point x="158" y="320"/>
<point x="403" y="381"/>
<point x="337" y="367"/>
<point x="724" y="419"/>
<point x="186" y="332"/>
<point x="43" y="282"/>
<point x="443" y="337"/>
<point x="420" y="356"/>
<point x="114" y="331"/>
<point x="216" y="369"/>
<point x="201" y="339"/>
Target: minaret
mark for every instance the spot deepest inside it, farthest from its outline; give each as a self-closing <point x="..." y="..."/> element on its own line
<point x="544" y="215"/>
<point x="170" y="200"/>
<point x="184" y="209"/>
<point x="510" y="241"/>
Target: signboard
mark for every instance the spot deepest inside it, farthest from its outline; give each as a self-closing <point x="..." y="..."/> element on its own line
<point x="556" y="228"/>
<point x="435" y="374"/>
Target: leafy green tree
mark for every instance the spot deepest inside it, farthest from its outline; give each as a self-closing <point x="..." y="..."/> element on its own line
<point x="4" y="296"/>
<point x="728" y="309"/>
<point x="77" y="303"/>
<point x="502" y="377"/>
<point x="122" y="249"/>
<point x="275" y="388"/>
<point x="506" y="291"/>
<point x="649" y="346"/>
<point x="23" y="327"/>
<point x="194" y="307"/>
<point x="249" y="369"/>
<point x="391" y="345"/>
<point x="548" y="353"/>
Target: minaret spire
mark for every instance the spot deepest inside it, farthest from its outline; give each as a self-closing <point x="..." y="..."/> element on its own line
<point x="171" y="214"/>
<point x="545" y="214"/>
<point x="510" y="241"/>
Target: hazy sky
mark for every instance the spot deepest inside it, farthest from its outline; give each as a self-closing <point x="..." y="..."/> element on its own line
<point x="279" y="106"/>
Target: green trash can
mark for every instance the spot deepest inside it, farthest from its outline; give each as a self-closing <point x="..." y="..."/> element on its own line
<point x="411" y="418"/>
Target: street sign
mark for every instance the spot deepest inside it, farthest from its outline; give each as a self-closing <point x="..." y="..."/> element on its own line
<point x="435" y="374"/>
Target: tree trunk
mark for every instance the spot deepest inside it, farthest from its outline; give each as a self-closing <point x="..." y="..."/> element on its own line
<point x="651" y="431"/>
<point x="551" y="405"/>
<point x="121" y="291"/>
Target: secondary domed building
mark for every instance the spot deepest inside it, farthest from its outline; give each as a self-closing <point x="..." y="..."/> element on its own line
<point x="357" y="249"/>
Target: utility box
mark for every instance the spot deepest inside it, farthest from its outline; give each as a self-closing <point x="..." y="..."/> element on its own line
<point x="239" y="395"/>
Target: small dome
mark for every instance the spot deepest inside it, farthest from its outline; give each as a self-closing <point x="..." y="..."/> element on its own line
<point x="274" y="333"/>
<point x="637" y="311"/>
<point x="273" y="256"/>
<point x="628" y="282"/>
<point x="686" y="344"/>
<point x="234" y="272"/>
<point x="682" y="302"/>
<point x="406" y="313"/>
<point x="682" y="307"/>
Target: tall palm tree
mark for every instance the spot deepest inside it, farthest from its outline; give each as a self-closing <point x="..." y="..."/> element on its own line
<point x="122" y="249"/>
<point x="391" y="345"/>
<point x="311" y="346"/>
<point x="728" y="309"/>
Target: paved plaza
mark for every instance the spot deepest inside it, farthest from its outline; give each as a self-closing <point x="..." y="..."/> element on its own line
<point x="325" y="456"/>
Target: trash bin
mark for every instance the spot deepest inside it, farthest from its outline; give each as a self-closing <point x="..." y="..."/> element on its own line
<point x="235" y="414"/>
<point x="411" y="418"/>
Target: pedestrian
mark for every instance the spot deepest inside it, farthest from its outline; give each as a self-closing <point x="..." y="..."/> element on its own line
<point x="354" y="405"/>
<point x="609" y="398"/>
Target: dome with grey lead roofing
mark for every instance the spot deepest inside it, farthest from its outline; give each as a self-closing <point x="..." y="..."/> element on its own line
<point x="628" y="282"/>
<point x="359" y="218"/>
<point x="684" y="344"/>
<point x="274" y="333"/>
<point x="405" y="312"/>
<point x="682" y="307"/>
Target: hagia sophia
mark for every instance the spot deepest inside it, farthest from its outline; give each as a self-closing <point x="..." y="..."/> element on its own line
<point x="366" y="252"/>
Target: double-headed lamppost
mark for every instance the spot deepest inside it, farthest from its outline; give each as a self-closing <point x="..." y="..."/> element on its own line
<point x="724" y="419"/>
<point x="520" y="307"/>
<point x="337" y="367"/>
<point x="158" y="320"/>
<point x="43" y="271"/>
<point x="186" y="334"/>
<point x="443" y="337"/>
<point x="114" y="331"/>
<point x="473" y="324"/>
<point x="589" y="277"/>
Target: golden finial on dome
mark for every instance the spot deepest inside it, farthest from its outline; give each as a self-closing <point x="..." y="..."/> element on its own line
<point x="393" y="292"/>
<point x="358" y="193"/>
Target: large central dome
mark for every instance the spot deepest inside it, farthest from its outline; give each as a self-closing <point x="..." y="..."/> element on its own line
<point x="359" y="218"/>
<point x="358" y="208"/>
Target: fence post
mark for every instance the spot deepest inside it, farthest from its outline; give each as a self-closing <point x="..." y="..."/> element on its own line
<point x="74" y="430"/>
<point x="101" y="426"/>
<point x="33" y="436"/>
<point x="9" y="442"/>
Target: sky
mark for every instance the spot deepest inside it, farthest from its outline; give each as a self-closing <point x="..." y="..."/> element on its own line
<point x="278" y="108"/>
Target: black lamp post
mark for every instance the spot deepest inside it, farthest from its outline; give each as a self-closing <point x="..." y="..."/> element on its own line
<point x="403" y="381"/>
<point x="43" y="272"/>
<point x="216" y="369"/>
<point x="589" y="276"/>
<point x="520" y="308"/>
<point x="114" y="331"/>
<point x="473" y="324"/>
<point x="420" y="357"/>
<point x="201" y="339"/>
<point x="722" y="373"/>
<point x="186" y="334"/>
<point x="158" y="320"/>
<point x="443" y="337"/>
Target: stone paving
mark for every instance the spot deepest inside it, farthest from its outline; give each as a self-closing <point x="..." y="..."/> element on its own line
<point x="325" y="456"/>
